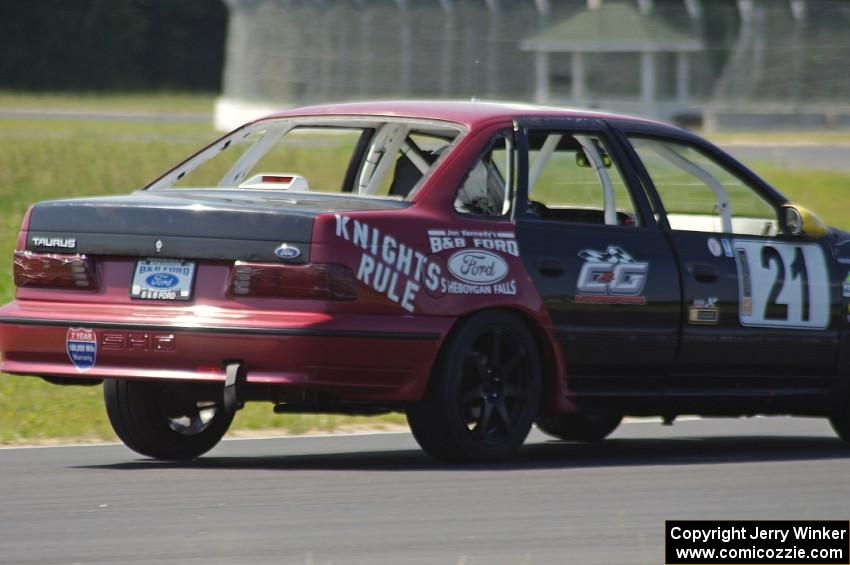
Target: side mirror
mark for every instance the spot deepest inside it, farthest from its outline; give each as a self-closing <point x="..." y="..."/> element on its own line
<point x="801" y="221"/>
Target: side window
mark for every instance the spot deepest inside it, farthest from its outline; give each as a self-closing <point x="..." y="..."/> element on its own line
<point x="699" y="194"/>
<point x="487" y="189"/>
<point x="573" y="178"/>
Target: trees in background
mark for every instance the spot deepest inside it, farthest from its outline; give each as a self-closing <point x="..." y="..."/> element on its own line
<point x="89" y="45"/>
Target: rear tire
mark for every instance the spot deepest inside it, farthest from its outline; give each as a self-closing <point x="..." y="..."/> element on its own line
<point x="579" y="427"/>
<point x="164" y="420"/>
<point x="483" y="394"/>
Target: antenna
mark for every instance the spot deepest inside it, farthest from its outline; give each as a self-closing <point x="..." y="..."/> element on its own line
<point x="475" y="97"/>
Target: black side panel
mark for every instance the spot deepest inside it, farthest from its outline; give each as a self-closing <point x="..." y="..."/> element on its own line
<point x="624" y="345"/>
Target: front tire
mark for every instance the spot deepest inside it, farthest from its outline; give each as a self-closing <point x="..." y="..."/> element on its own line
<point x="483" y="394"/>
<point x="579" y="427"/>
<point x="164" y="420"/>
<point x="840" y="422"/>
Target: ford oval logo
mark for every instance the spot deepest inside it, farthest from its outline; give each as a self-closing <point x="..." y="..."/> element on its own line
<point x="162" y="280"/>
<point x="287" y="251"/>
<point x="478" y="267"/>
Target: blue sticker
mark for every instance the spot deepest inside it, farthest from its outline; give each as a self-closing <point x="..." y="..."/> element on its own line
<point x="162" y="280"/>
<point x="727" y="247"/>
<point x="81" y="345"/>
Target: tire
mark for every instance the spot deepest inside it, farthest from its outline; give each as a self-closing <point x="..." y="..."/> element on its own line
<point x="483" y="394"/>
<point x="840" y="422"/>
<point x="579" y="427"/>
<point x="164" y="420"/>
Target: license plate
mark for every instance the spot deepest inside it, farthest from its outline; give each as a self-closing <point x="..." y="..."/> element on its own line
<point x="163" y="279"/>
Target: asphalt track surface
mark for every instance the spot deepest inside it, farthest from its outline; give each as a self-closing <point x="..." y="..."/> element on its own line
<point x="377" y="499"/>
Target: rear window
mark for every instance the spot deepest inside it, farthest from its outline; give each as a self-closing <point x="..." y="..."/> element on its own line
<point x="359" y="156"/>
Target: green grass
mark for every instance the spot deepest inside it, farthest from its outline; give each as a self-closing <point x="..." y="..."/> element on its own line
<point x="33" y="410"/>
<point x="41" y="159"/>
<point x="157" y="102"/>
<point x="839" y="137"/>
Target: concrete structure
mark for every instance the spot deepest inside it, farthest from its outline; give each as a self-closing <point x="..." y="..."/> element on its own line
<point x="661" y="58"/>
<point x="624" y="31"/>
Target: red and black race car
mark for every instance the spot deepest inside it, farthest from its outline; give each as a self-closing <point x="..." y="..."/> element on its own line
<point x="479" y="266"/>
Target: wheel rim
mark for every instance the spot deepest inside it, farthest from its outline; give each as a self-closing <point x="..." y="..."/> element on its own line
<point x="186" y="417"/>
<point x="492" y="386"/>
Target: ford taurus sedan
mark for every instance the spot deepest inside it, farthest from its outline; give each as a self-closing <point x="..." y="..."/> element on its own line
<point x="478" y="266"/>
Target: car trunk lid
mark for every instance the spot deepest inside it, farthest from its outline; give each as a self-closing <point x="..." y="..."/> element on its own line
<point x="214" y="224"/>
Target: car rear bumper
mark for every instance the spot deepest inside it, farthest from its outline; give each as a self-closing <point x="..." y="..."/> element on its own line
<point x="381" y="358"/>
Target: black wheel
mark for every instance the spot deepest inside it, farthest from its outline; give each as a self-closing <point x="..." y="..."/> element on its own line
<point x="483" y="394"/>
<point x="166" y="420"/>
<point x="579" y="427"/>
<point x="841" y="424"/>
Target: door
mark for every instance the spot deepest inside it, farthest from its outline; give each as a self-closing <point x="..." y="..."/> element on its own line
<point x="760" y="310"/>
<point x="605" y="272"/>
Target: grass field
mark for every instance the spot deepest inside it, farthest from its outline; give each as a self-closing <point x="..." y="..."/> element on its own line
<point x="172" y="102"/>
<point x="42" y="159"/>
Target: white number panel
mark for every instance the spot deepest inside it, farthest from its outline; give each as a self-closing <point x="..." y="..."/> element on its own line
<point x="782" y="285"/>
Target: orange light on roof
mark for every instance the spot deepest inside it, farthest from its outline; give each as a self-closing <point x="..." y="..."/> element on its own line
<point x="277" y="179"/>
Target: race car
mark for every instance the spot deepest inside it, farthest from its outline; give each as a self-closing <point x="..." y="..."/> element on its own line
<point x="478" y="266"/>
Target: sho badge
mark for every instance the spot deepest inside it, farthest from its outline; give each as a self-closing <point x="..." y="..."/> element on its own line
<point x="81" y="345"/>
<point x="611" y="277"/>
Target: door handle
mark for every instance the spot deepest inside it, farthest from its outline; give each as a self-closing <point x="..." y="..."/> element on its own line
<point x="550" y="266"/>
<point x="703" y="273"/>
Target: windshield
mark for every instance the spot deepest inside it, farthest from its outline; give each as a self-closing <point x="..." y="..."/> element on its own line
<point x="363" y="156"/>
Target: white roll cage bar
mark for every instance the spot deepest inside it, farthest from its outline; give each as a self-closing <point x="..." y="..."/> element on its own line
<point x="590" y="149"/>
<point x="724" y="208"/>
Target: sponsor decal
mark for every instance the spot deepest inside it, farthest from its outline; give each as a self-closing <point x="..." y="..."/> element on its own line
<point x="611" y="277"/>
<point x="286" y="251"/>
<point x="389" y="266"/>
<point x="704" y="311"/>
<point x="477" y="267"/>
<point x="398" y="271"/>
<point x="746" y="283"/>
<point x="503" y="241"/>
<point x="81" y="345"/>
<point x="845" y="287"/>
<point x="714" y="247"/>
<point x="727" y="247"/>
<point x="478" y="272"/>
<point x="60" y="242"/>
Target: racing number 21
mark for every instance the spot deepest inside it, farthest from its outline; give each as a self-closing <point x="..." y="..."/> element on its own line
<point x="782" y="284"/>
<point x="773" y="310"/>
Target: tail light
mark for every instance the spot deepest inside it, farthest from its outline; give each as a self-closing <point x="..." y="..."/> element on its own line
<point x="271" y="280"/>
<point x="53" y="270"/>
<point x="22" y="234"/>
